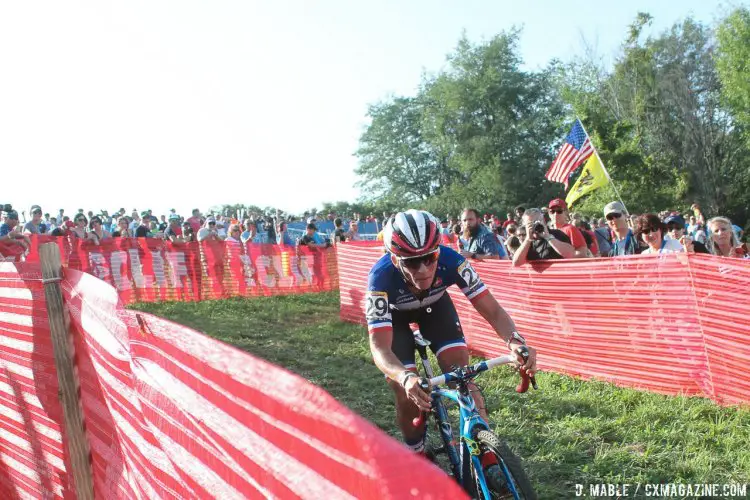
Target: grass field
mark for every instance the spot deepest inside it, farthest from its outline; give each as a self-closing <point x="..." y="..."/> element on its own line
<point x="568" y="432"/>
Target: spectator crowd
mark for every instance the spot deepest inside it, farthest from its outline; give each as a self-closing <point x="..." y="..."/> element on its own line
<point x="553" y="232"/>
<point x="527" y="234"/>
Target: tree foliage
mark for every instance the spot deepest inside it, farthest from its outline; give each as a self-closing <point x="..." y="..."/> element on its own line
<point x="669" y="119"/>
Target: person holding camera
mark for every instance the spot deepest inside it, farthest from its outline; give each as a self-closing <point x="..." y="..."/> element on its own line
<point x="541" y="243"/>
<point x="9" y="232"/>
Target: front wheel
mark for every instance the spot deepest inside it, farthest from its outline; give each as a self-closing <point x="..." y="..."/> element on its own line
<point x="508" y="476"/>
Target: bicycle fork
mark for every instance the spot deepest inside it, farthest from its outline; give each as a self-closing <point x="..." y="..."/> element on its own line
<point x="441" y="417"/>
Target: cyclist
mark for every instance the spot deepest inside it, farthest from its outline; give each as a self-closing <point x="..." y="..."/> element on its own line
<point x="407" y="285"/>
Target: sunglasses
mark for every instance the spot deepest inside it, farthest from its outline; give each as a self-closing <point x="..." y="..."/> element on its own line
<point x="613" y="216"/>
<point x="650" y="230"/>
<point x="555" y="210"/>
<point x="674" y="227"/>
<point x="415" y="263"/>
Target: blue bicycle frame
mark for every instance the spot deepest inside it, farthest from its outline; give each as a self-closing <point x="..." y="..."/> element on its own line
<point x="469" y="420"/>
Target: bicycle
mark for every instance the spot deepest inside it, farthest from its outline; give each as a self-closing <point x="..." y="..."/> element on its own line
<point x="475" y="437"/>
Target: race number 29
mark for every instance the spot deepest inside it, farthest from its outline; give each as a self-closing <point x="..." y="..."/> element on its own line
<point x="376" y="306"/>
<point x="468" y="274"/>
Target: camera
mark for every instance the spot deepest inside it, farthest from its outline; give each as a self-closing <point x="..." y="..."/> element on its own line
<point x="539" y="228"/>
<point x="6" y="207"/>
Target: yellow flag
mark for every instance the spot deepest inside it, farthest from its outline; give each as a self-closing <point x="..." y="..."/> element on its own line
<point x="592" y="177"/>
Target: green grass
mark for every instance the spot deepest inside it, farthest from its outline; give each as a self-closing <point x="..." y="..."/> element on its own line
<point x="568" y="432"/>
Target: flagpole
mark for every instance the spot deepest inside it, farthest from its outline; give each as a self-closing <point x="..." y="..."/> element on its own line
<point x="602" y="164"/>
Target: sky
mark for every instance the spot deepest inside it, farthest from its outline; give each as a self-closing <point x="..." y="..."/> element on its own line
<point x="185" y="104"/>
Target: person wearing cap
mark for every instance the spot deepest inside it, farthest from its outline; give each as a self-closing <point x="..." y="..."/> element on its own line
<point x="625" y="242"/>
<point x="144" y="229"/>
<point x="9" y="232"/>
<point x="35" y="225"/>
<point x="675" y="225"/>
<point x="173" y="231"/>
<point x="558" y="211"/>
<point x="221" y="227"/>
<point x="208" y="231"/>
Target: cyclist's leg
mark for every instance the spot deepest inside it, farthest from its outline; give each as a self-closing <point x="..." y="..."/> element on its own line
<point x="442" y="328"/>
<point x="403" y="347"/>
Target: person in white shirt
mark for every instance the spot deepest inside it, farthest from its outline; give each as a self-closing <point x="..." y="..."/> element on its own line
<point x="233" y="234"/>
<point x="651" y="230"/>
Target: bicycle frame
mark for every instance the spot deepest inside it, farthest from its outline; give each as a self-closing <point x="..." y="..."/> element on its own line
<point x="469" y="420"/>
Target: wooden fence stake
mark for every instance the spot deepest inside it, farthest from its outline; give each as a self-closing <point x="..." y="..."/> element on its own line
<point x="62" y="343"/>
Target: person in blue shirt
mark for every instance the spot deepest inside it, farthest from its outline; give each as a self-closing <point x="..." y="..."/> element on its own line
<point x="407" y="285"/>
<point x="250" y="235"/>
<point x="283" y="237"/>
<point x="481" y="243"/>
<point x="312" y="239"/>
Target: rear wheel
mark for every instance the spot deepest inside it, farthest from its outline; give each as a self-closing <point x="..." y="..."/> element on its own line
<point x="507" y="476"/>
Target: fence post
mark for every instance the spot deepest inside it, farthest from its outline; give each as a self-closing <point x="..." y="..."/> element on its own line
<point x="62" y="343"/>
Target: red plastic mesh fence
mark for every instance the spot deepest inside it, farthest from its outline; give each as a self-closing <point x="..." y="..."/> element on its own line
<point x="671" y="324"/>
<point x="171" y="413"/>
<point x="149" y="269"/>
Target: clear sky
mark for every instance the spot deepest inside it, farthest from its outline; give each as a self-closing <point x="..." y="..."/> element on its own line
<point x="160" y="104"/>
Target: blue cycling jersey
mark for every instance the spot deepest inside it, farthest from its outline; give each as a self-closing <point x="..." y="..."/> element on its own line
<point x="387" y="289"/>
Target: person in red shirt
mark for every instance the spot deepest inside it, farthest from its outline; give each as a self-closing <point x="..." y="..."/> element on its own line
<point x="195" y="221"/>
<point x="558" y="212"/>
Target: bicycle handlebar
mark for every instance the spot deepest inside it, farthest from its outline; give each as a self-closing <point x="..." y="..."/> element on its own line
<point x="470" y="372"/>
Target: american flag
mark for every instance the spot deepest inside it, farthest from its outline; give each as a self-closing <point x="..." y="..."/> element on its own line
<point x="576" y="150"/>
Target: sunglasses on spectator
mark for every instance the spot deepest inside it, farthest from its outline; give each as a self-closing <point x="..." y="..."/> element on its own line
<point x="674" y="227"/>
<point x="36" y="212"/>
<point x="613" y="216"/>
<point x="211" y="223"/>
<point x="555" y="210"/>
<point x="649" y="230"/>
<point x="415" y="263"/>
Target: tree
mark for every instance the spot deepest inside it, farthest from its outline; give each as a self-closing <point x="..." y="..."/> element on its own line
<point x="733" y="64"/>
<point x="477" y="134"/>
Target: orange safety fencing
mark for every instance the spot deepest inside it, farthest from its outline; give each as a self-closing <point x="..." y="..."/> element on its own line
<point x="172" y="413"/>
<point x="673" y="324"/>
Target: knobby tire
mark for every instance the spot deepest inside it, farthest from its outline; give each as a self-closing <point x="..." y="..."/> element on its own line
<point x="489" y="441"/>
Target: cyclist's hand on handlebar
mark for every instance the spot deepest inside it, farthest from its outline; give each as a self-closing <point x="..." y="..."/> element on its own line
<point x="528" y="365"/>
<point x="416" y="394"/>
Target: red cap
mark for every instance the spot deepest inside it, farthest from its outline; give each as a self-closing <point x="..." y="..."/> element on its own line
<point x="558" y="202"/>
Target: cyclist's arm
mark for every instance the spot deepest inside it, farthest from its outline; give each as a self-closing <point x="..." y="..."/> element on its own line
<point x="385" y="360"/>
<point x="501" y="322"/>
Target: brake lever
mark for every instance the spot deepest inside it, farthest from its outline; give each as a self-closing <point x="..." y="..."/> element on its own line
<point x="523" y="385"/>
